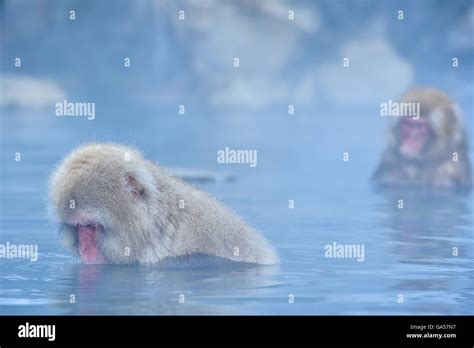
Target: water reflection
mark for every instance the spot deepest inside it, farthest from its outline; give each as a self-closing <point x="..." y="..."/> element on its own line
<point x="431" y="239"/>
<point x="106" y="289"/>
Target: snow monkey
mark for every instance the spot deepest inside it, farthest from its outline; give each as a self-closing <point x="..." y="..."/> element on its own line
<point x="114" y="206"/>
<point x="429" y="149"/>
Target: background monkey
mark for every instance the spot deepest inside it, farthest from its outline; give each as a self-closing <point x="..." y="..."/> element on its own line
<point x="114" y="206"/>
<point x="430" y="150"/>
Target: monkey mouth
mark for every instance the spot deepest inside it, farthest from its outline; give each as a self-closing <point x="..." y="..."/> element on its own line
<point x="89" y="248"/>
<point x="412" y="147"/>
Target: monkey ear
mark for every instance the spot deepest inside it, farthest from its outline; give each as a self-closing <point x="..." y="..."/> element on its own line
<point x="133" y="186"/>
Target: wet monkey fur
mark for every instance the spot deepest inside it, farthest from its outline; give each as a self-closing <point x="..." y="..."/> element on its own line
<point x="115" y="206"/>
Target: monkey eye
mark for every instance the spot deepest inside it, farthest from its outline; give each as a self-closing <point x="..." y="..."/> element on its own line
<point x="417" y="125"/>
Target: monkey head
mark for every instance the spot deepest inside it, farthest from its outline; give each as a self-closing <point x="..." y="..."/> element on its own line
<point x="100" y="195"/>
<point x="433" y="133"/>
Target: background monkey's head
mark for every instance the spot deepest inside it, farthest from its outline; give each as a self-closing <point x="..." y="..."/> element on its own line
<point x="435" y="134"/>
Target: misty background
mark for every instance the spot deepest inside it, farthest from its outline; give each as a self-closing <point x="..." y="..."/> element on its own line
<point x="190" y="62"/>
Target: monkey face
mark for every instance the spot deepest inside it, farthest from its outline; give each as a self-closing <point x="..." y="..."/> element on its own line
<point x="435" y="133"/>
<point x="428" y="148"/>
<point x="414" y="136"/>
<point x="99" y="203"/>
